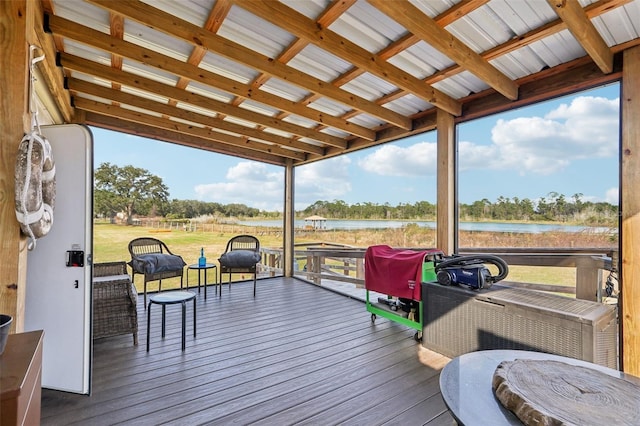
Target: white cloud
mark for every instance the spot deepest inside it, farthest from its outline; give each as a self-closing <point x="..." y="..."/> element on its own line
<point x="257" y="185"/>
<point x="249" y="183"/>
<point x="612" y="196"/>
<point x="585" y="128"/>
<point x="391" y="160"/>
<point x="323" y="180"/>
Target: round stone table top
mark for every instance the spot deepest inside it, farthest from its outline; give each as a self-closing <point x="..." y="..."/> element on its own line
<point x="541" y="392"/>
<point x="466" y="385"/>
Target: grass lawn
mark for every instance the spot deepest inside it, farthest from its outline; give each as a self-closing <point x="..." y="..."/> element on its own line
<point x="111" y="241"/>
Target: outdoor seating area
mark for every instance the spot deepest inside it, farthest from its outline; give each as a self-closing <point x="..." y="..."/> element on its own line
<point x="303" y="354"/>
<point x="115" y="295"/>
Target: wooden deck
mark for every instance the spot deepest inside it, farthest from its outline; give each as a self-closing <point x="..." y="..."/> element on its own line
<point x="296" y="354"/>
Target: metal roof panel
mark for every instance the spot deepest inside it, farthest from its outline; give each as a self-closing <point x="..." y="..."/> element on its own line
<point x="193" y="11"/>
<point x="366" y="26"/>
<point x="254" y="32"/>
<point x="227" y="68"/>
<point x="319" y="63"/>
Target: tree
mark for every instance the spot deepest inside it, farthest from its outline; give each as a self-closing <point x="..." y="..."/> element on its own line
<point x="128" y="190"/>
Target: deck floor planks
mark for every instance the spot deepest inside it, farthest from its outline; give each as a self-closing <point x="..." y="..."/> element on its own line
<point x="257" y="361"/>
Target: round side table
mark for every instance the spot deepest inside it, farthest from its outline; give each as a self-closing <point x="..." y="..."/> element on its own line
<point x="172" y="298"/>
<point x="199" y="269"/>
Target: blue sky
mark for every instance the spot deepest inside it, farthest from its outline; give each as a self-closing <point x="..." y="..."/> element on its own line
<point x="569" y="146"/>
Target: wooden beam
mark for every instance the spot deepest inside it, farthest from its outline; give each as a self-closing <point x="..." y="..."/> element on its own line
<point x="446" y="194"/>
<point x="548" y="29"/>
<point x="15" y="16"/>
<point x="585" y="32"/>
<point x="571" y="77"/>
<point x="288" y="237"/>
<point x="630" y="212"/>
<point x="304" y="28"/>
<point x="142" y="130"/>
<point x="88" y="67"/>
<point x="428" y="30"/>
<point x="80" y="33"/>
<point x="187" y="32"/>
<point x="81" y="86"/>
<point x="52" y="74"/>
<point x="191" y="130"/>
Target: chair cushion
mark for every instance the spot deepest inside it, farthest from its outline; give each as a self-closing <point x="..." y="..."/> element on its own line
<point x="157" y="262"/>
<point x="239" y="259"/>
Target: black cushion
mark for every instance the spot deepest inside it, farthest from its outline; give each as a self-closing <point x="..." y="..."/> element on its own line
<point x="157" y="262"/>
<point x="239" y="259"/>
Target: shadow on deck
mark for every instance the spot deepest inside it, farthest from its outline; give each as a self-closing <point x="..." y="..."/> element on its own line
<point x="296" y="354"/>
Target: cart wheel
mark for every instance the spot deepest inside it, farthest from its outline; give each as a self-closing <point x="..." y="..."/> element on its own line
<point x="373" y="318"/>
<point x="418" y="336"/>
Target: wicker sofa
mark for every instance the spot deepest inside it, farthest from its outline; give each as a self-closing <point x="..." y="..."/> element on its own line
<point x="114" y="301"/>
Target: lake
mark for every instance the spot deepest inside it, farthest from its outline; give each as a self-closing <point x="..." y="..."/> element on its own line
<point x="535" y="228"/>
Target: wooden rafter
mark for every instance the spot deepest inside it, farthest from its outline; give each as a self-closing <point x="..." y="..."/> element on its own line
<point x="190" y="33"/>
<point x="585" y="33"/>
<point x="429" y="31"/>
<point x="119" y="97"/>
<point x="85" y="66"/>
<point x="162" y="62"/>
<point x="593" y="10"/>
<point x="168" y="110"/>
<point x="306" y="29"/>
<point x="188" y="129"/>
<point x="183" y="139"/>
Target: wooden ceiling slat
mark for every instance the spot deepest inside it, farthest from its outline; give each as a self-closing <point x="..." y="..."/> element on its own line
<point x="165" y="135"/>
<point x="88" y="67"/>
<point x="161" y="123"/>
<point x="429" y="31"/>
<point x="52" y="75"/>
<point x="546" y="30"/>
<point x="397" y="46"/>
<point x="162" y="21"/>
<point x="583" y="30"/>
<point x="302" y="27"/>
<point x="322" y="143"/>
<point x="172" y="111"/>
<point x="165" y="63"/>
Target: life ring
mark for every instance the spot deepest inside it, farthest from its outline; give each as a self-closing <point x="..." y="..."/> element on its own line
<point x="35" y="186"/>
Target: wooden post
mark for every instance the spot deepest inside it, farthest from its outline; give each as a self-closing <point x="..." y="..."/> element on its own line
<point x="360" y="268"/>
<point x="289" y="217"/>
<point x="14" y="122"/>
<point x="630" y="210"/>
<point x="588" y="279"/>
<point x="446" y="183"/>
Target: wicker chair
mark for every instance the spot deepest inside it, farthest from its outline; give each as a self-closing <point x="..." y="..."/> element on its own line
<point x="139" y="248"/>
<point x="114" y="301"/>
<point x="248" y="247"/>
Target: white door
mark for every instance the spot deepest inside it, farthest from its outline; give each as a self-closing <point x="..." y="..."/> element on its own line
<point x="58" y="296"/>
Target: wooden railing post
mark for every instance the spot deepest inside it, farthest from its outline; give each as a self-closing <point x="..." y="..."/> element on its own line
<point x="588" y="279"/>
<point x="360" y="268"/>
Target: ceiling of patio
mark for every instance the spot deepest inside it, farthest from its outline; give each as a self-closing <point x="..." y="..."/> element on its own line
<point x="295" y="81"/>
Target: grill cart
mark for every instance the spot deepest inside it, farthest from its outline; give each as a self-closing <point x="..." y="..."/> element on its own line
<point x="397" y="274"/>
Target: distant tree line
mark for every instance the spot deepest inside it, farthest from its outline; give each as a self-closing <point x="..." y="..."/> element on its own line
<point x="554" y="207"/>
<point x="133" y="191"/>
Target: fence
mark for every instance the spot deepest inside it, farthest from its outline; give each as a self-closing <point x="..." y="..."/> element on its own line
<point x="332" y="262"/>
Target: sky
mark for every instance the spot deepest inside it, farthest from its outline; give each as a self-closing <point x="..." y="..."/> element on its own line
<point x="568" y="146"/>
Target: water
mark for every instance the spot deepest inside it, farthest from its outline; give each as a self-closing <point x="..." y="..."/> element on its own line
<point x="528" y="228"/>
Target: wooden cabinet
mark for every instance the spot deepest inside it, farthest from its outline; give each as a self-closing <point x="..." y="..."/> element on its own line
<point x="20" y="379"/>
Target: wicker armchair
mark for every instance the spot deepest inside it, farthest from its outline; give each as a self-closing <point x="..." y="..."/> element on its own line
<point x="172" y="265"/>
<point x="114" y="301"/>
<point x="241" y="255"/>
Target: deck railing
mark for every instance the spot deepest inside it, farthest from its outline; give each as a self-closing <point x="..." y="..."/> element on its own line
<point x="330" y="263"/>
